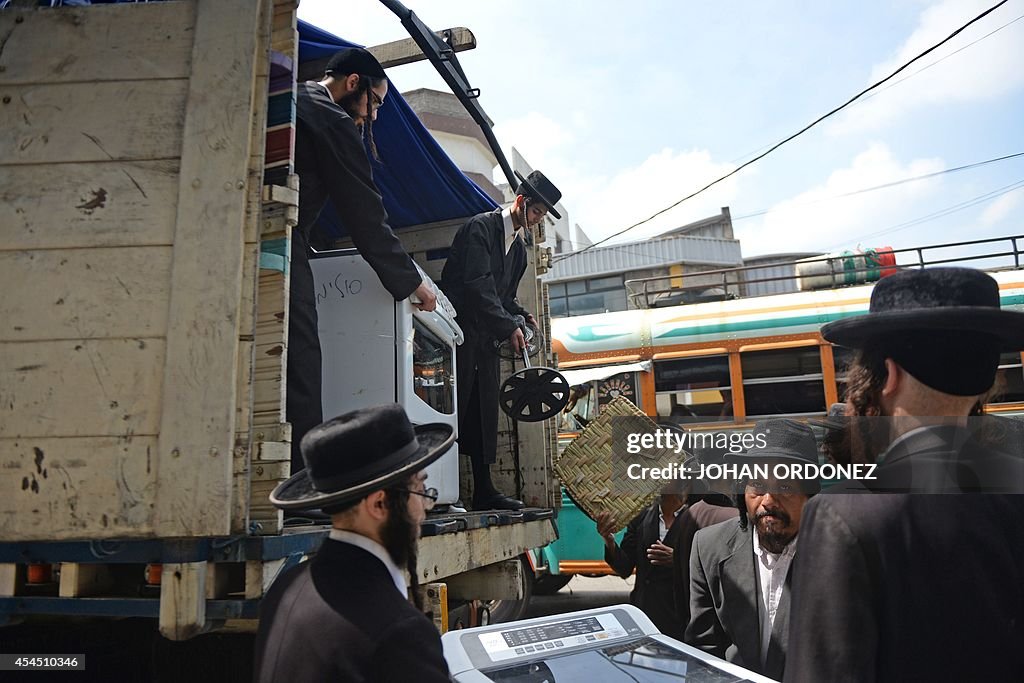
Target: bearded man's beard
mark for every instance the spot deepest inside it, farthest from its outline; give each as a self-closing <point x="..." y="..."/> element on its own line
<point x="350" y="103"/>
<point x="400" y="540"/>
<point x="776" y="537"/>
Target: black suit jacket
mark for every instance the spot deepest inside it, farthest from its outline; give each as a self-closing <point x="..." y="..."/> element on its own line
<point x="955" y="459"/>
<point x="653" y="591"/>
<point x="695" y="517"/>
<point x="338" y="617"/>
<point x="331" y="162"/>
<point x="481" y="280"/>
<point x="724" y="603"/>
<point x="898" y="587"/>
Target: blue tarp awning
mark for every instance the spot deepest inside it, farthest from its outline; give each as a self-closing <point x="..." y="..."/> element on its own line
<point x="419" y="182"/>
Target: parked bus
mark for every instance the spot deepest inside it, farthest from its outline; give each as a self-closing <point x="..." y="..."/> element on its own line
<point x="730" y="362"/>
<point x="742" y="359"/>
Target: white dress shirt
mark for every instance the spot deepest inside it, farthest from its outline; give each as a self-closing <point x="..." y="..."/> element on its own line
<point x="662" y="528"/>
<point x="510" y="230"/>
<point x="771" y="571"/>
<point x="377" y="550"/>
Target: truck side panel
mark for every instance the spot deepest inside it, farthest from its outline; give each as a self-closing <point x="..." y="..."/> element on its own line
<point x="124" y="248"/>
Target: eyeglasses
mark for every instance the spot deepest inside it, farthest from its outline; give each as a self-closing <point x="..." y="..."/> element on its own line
<point x="378" y="101"/>
<point x="429" y="495"/>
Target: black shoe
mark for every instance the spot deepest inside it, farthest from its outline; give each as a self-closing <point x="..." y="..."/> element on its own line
<point x="498" y="502"/>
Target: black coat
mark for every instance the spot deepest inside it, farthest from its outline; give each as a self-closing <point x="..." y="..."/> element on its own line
<point x="898" y="587"/>
<point x="481" y="280"/>
<point x="984" y="457"/>
<point x="653" y="591"/>
<point x="338" y="617"/>
<point x="331" y="162"/>
<point x="724" y="604"/>
<point x="695" y="517"/>
<point x="656" y="590"/>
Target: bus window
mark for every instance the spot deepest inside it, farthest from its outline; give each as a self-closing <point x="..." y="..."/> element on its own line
<point x="841" y="359"/>
<point x="783" y="381"/>
<point x="1010" y="379"/>
<point x="693" y="388"/>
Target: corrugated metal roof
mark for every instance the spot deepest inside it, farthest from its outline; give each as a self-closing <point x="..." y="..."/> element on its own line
<point x="656" y="253"/>
<point x="772" y="286"/>
<point x="774" y="265"/>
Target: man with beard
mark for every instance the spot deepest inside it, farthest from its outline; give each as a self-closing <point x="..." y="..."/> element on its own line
<point x="345" y="615"/>
<point x="739" y="573"/>
<point x="332" y="118"/>
<point x="480" y="277"/>
<point x="911" y="586"/>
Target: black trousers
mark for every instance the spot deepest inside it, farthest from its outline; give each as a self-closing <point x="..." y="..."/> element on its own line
<point x="304" y="408"/>
<point x="478" y="387"/>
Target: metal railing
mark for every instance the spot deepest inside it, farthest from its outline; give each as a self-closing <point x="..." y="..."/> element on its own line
<point x="733" y="283"/>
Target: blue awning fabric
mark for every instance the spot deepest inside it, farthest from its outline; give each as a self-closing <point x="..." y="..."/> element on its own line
<point x="418" y="181"/>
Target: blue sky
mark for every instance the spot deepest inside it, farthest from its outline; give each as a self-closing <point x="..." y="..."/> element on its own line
<point x="630" y="106"/>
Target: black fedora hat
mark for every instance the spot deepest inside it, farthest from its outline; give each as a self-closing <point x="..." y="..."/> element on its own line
<point x="955" y="300"/>
<point x="783" y="440"/>
<point x="354" y="60"/>
<point x="358" y="453"/>
<point x="538" y="186"/>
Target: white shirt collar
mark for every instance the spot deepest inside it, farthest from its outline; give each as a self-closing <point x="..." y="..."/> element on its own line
<point x="662" y="527"/>
<point x="377" y="550"/>
<point x="510" y="230"/>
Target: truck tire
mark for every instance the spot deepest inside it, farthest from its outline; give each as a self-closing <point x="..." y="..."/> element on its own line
<point x="513" y="610"/>
<point x="549" y="584"/>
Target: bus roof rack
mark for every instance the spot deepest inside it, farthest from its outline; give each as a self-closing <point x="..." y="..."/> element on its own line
<point x="833" y="270"/>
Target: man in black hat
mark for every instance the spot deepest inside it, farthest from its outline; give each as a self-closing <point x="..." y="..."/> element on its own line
<point x="332" y="118"/>
<point x="910" y="586"/>
<point x="740" y="581"/>
<point x="345" y="615"/>
<point x="480" y="277"/>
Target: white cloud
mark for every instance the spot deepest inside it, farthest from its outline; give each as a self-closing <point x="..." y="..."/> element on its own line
<point x="540" y="139"/>
<point x="1002" y="207"/>
<point x="631" y="194"/>
<point x="814" y="220"/>
<point x="662" y="179"/>
<point x="983" y="71"/>
<point x="603" y="204"/>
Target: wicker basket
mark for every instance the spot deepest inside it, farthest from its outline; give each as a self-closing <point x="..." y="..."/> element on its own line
<point x="586" y="467"/>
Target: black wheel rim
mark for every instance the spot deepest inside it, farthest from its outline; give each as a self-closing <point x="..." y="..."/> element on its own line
<point x="534" y="394"/>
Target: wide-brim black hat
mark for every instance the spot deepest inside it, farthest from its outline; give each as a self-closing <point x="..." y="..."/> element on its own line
<point x="537" y="185"/>
<point x="958" y="300"/>
<point x="358" y="453"/>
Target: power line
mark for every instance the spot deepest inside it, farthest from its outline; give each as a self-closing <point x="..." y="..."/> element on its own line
<point x="942" y="59"/>
<point x="882" y="186"/>
<point x="624" y="248"/>
<point x="941" y="213"/>
<point x="794" y="135"/>
<point x="905" y="78"/>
